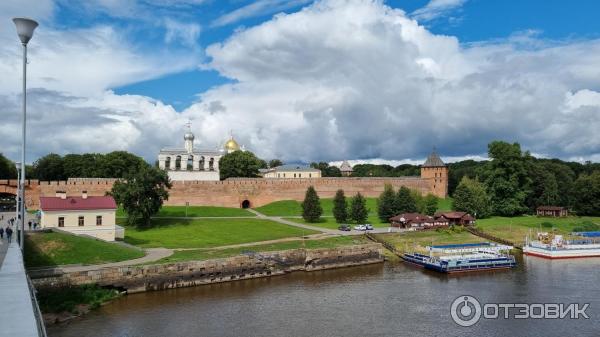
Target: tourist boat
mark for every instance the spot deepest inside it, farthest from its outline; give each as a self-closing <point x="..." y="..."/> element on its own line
<point x="552" y="246"/>
<point x="463" y="258"/>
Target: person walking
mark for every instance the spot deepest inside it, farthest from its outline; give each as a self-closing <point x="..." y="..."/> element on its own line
<point x="29" y="224"/>
<point x="9" y="233"/>
<point x="1" y="233"/>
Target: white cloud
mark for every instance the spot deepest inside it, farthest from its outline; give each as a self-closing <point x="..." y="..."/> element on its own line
<point x="340" y="79"/>
<point x="436" y="8"/>
<point x="257" y="8"/>
<point x="187" y="33"/>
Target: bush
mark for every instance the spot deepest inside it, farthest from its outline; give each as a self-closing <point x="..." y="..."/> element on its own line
<point x="547" y="224"/>
<point x="67" y="299"/>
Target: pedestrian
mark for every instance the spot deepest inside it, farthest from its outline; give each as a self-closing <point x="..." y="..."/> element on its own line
<point x="34" y="225"/>
<point x="9" y="232"/>
<point x="29" y="224"/>
<point x="1" y="233"/>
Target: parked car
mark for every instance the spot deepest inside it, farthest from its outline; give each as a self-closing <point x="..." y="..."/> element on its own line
<point x="369" y="227"/>
<point x="360" y="227"/>
<point x="345" y="228"/>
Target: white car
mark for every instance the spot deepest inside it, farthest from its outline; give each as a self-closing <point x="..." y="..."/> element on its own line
<point x="369" y="227"/>
<point x="360" y="227"/>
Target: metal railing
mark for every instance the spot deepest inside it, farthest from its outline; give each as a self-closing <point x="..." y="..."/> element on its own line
<point x="39" y="319"/>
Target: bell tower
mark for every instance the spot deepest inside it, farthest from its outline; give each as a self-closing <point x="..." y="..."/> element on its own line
<point x="436" y="172"/>
<point x="189" y="138"/>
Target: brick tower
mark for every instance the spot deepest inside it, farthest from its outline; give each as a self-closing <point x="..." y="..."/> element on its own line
<point x="436" y="172"/>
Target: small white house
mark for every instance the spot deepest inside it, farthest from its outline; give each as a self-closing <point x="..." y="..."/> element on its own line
<point x="81" y="215"/>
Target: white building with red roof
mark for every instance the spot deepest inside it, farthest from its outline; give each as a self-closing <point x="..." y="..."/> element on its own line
<point x="81" y="215"/>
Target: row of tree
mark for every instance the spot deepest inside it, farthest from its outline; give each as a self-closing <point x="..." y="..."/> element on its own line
<point x="405" y="200"/>
<point x="356" y="211"/>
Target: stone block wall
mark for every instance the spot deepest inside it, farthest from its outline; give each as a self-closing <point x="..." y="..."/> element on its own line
<point x="185" y="274"/>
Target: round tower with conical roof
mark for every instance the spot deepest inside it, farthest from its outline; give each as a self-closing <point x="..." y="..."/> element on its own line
<point x="436" y="172"/>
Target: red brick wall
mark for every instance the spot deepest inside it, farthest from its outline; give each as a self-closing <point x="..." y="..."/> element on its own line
<point x="232" y="192"/>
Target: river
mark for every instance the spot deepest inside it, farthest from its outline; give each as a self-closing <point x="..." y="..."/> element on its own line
<point x="391" y="299"/>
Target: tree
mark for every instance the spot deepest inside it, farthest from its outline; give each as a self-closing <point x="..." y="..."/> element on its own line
<point x="311" y="206"/>
<point x="118" y="163"/>
<point x="340" y="207"/>
<point x="49" y="168"/>
<point x="7" y="168"/>
<point x="405" y="201"/>
<point x="242" y="164"/>
<point x="471" y="197"/>
<point x="358" y="209"/>
<point x="141" y="194"/>
<point x="587" y="199"/>
<point x="507" y="180"/>
<point x="386" y="204"/>
<point x="326" y="170"/>
<point x="430" y="204"/>
<point x="275" y="163"/>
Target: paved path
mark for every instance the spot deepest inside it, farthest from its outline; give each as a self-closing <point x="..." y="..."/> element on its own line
<point x="152" y="254"/>
<point x="16" y="306"/>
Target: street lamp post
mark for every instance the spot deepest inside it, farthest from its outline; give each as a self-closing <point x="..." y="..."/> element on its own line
<point x="18" y="199"/>
<point x="25" y="28"/>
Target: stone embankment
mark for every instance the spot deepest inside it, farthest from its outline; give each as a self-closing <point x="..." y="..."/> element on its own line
<point x="191" y="273"/>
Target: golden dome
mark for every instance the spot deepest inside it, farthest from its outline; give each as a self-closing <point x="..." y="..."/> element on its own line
<point x="231" y="145"/>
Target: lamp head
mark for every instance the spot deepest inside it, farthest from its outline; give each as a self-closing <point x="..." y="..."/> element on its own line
<point x="18" y="165"/>
<point x="25" y="28"/>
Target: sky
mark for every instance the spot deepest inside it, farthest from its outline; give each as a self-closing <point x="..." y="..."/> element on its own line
<point x="303" y="80"/>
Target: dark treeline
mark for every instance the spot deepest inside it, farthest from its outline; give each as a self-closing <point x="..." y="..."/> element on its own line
<point x="88" y="165"/>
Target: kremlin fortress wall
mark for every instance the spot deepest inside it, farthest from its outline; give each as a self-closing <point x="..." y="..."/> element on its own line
<point x="242" y="192"/>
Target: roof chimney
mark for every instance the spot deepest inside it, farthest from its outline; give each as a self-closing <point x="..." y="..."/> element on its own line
<point x="61" y="194"/>
<point x="84" y="194"/>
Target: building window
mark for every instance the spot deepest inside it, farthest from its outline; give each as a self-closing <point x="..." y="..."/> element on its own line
<point x="190" y="163"/>
<point x="178" y="163"/>
<point x="98" y="220"/>
<point x="80" y="221"/>
<point x="61" y="221"/>
<point x="299" y="175"/>
<point x="310" y="175"/>
<point x="284" y="175"/>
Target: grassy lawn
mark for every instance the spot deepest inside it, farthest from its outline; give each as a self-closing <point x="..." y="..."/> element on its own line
<point x="330" y="223"/>
<point x="293" y="208"/>
<point x="51" y="249"/>
<point x="203" y="254"/>
<point x="205" y="233"/>
<point x="196" y="211"/>
<point x="418" y="240"/>
<point x="515" y="229"/>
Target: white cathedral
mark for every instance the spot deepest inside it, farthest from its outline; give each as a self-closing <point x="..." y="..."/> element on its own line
<point x="188" y="163"/>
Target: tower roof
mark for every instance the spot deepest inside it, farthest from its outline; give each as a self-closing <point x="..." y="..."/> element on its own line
<point x="434" y="160"/>
<point x="345" y="167"/>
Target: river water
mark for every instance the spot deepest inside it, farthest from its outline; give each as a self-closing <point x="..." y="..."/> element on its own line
<point x="391" y="299"/>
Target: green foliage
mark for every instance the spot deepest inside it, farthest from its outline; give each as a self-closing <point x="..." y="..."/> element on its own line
<point x="326" y="170"/>
<point x="429" y="204"/>
<point x="7" y="168"/>
<point x="587" y="199"/>
<point x="57" y="300"/>
<point x="405" y="201"/>
<point x="547" y="224"/>
<point x="586" y="226"/>
<point x="372" y="170"/>
<point x="507" y="179"/>
<point x="471" y="197"/>
<point x="141" y="194"/>
<point x="240" y="164"/>
<point x="358" y="209"/>
<point x="340" y="207"/>
<point x="88" y="165"/>
<point x="275" y="163"/>
<point x="311" y="206"/>
<point x="466" y="168"/>
<point x="387" y="204"/>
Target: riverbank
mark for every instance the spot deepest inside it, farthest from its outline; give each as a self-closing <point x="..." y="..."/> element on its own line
<point x="191" y="273"/>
